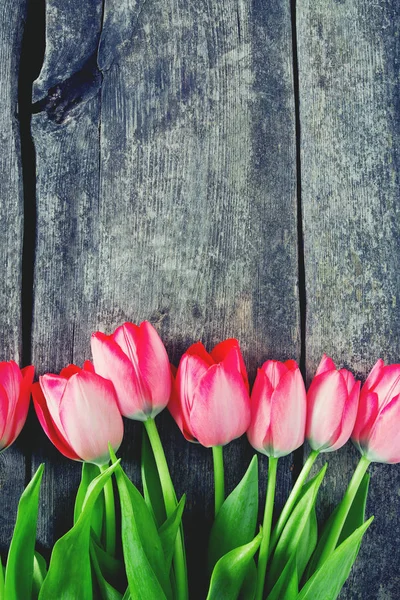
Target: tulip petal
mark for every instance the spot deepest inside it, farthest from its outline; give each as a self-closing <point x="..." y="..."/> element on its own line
<point x="384" y="440"/>
<point x="112" y="363"/>
<point x="326" y="398"/>
<point x="291" y="364"/>
<point x="388" y="384"/>
<point x="3" y="413"/>
<point x="221" y="408"/>
<point x="20" y="413"/>
<point x="69" y="370"/>
<point x="199" y="350"/>
<point x="342" y="435"/>
<point x="90" y="417"/>
<point x="326" y="364"/>
<point x="53" y="387"/>
<point x="221" y="350"/>
<point x="49" y="427"/>
<point x="373" y="376"/>
<point x="288" y="414"/>
<point x="10" y="379"/>
<point x="367" y="413"/>
<point x="179" y="415"/>
<point x="274" y="370"/>
<point x="260" y="412"/>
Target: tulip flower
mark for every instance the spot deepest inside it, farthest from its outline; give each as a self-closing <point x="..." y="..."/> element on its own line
<point x="15" y="393"/>
<point x="377" y="428"/>
<point x="332" y="401"/>
<point x="278" y="409"/>
<point x="210" y="402"/>
<point x="79" y="413"/>
<point x="135" y="360"/>
<point x="278" y="419"/>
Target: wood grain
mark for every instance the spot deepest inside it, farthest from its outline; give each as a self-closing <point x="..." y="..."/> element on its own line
<point x="350" y="122"/>
<point x="169" y="197"/>
<point x="12" y="19"/>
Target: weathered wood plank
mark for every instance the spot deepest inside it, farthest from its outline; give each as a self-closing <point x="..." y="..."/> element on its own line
<point x="12" y="461"/>
<point x="177" y="204"/>
<point x="350" y="123"/>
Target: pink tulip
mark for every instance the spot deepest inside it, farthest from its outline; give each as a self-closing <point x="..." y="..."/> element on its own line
<point x="210" y="401"/>
<point x="332" y="402"/>
<point x="79" y="413"/>
<point x="15" y="393"/>
<point x="135" y="360"/>
<point x="377" y="429"/>
<point x="278" y="409"/>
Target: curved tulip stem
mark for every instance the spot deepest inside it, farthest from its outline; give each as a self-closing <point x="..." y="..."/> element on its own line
<point x="170" y="504"/>
<point x="109" y="504"/>
<point x="291" y="501"/>
<point x="269" y="506"/>
<point x="343" y="510"/>
<point x="219" y="478"/>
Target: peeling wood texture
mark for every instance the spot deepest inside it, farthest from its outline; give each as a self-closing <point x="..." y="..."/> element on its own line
<point x="166" y="190"/>
<point x="12" y="18"/>
<point x="350" y="124"/>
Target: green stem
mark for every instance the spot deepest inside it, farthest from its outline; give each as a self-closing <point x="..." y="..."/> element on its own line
<point x="110" y="514"/>
<point x="291" y="501"/>
<point x="343" y="511"/>
<point x="170" y="505"/>
<point x="219" y="480"/>
<point x="269" y="505"/>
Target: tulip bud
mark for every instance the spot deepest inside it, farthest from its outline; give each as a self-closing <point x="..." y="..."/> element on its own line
<point x="278" y="409"/>
<point x="15" y="393"/>
<point x="377" y="428"/>
<point x="332" y="402"/>
<point x="210" y="400"/>
<point x="79" y="413"/>
<point x="135" y="360"/>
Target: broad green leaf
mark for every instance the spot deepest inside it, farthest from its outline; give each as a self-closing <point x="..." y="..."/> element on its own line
<point x="236" y="521"/>
<point x="328" y="580"/>
<point x="169" y="530"/>
<point x="151" y="482"/>
<point x="39" y="574"/>
<point x="70" y="569"/>
<point x="230" y="571"/>
<point x="249" y="587"/>
<point x="307" y="543"/>
<point x="127" y="595"/>
<point x="287" y="586"/>
<point x="354" y="519"/>
<point x="107" y="591"/>
<point x="90" y="472"/>
<point x="294" y="529"/>
<point x="144" y="557"/>
<point x="19" y="569"/>
<point x="111" y="567"/>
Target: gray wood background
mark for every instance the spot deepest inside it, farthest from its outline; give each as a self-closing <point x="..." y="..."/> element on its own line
<point x="222" y="169"/>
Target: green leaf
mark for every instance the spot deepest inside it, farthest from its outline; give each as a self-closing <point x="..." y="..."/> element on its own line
<point x="70" y="569"/>
<point x="19" y="569"/>
<point x="249" y="587"/>
<point x="287" y="586"/>
<point x="169" y="530"/>
<point x="39" y="574"/>
<point x="90" y="472"/>
<point x="144" y="557"/>
<point x="127" y="595"/>
<point x="230" y="571"/>
<point x="152" y="489"/>
<point x="307" y="543"/>
<point x="295" y="527"/>
<point x="111" y="567"/>
<point x="107" y="591"/>
<point x="354" y="519"/>
<point x="236" y="521"/>
<point x="328" y="580"/>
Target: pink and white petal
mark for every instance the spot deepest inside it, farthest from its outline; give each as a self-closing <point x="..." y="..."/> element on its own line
<point x="348" y="419"/>
<point x="127" y="337"/>
<point x="176" y="410"/>
<point x="53" y="387"/>
<point x="260" y="404"/>
<point x="325" y="365"/>
<point x="69" y="370"/>
<point x="11" y="379"/>
<point x="373" y="377"/>
<point x="88" y="366"/>
<point x="154" y="366"/>
<point x="18" y="418"/>
<point x="221" y="350"/>
<point x="191" y="370"/>
<point x="326" y="398"/>
<point x="388" y="385"/>
<point x="384" y="440"/>
<point x="368" y="409"/>
<point x="199" y="350"/>
<point x="112" y="363"/>
<point x="291" y="364"/>
<point x="90" y="417"/>
<point x="221" y="407"/>
<point x="274" y="370"/>
<point x="3" y="412"/>
<point x="288" y="414"/>
<point x="49" y="427"/>
<point x="348" y="378"/>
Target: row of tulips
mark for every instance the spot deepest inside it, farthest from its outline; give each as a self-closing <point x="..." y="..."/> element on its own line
<point x="81" y="411"/>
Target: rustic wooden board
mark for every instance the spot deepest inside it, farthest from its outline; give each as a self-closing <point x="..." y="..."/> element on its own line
<point x="350" y="122"/>
<point x="171" y="197"/>
<point x="12" y="18"/>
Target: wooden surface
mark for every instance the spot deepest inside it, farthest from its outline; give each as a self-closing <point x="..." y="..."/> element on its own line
<point x="167" y="179"/>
